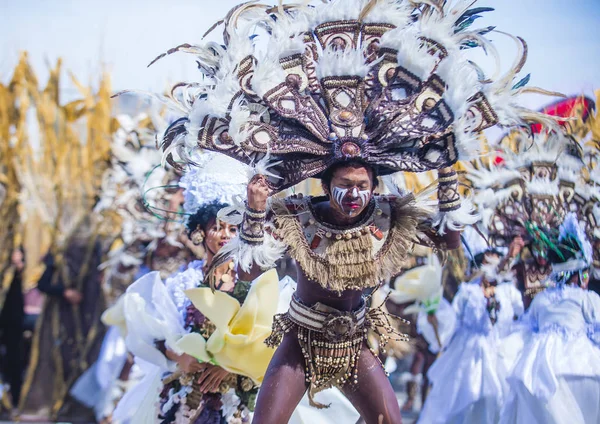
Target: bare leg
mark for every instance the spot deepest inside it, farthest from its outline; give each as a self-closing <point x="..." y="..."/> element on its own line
<point x="429" y="360"/>
<point x="373" y="396"/>
<point x="411" y="389"/>
<point x="284" y="384"/>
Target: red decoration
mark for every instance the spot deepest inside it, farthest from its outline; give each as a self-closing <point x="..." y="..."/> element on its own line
<point x="566" y="109"/>
<point x="316" y="241"/>
<point x="376" y="232"/>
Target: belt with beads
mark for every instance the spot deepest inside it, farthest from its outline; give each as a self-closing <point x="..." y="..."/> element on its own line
<point x="329" y="320"/>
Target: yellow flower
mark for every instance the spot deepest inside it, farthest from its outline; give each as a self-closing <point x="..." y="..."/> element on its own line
<point x="237" y="345"/>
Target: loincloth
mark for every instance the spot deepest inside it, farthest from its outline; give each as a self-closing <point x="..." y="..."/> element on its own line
<point x="331" y="340"/>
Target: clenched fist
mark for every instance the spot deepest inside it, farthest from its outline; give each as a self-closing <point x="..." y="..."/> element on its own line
<point x="258" y="193"/>
<point x="516" y="246"/>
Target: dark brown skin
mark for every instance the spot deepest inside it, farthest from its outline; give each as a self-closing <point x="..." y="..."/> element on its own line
<point x="284" y="383"/>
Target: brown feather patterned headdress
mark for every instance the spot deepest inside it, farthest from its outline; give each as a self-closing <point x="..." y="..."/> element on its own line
<point x="299" y="87"/>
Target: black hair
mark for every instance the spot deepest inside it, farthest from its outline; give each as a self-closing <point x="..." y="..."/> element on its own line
<point x="566" y="250"/>
<point x="477" y="261"/>
<point x="328" y="174"/>
<point x="203" y="216"/>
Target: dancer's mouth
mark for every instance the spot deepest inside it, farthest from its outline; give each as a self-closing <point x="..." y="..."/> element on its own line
<point x="353" y="206"/>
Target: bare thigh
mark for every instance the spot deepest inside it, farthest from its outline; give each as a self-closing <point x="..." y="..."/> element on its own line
<point x="373" y="396"/>
<point x="284" y="384"/>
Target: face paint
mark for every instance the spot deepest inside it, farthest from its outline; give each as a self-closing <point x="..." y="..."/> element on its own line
<point x="340" y="193"/>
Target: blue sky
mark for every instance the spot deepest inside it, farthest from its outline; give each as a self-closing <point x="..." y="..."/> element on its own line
<point x="123" y="36"/>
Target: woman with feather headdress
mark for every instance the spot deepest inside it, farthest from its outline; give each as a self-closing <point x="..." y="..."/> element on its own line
<point x="203" y="350"/>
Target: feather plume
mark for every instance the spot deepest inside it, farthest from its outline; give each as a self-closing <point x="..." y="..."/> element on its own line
<point x="348" y="62"/>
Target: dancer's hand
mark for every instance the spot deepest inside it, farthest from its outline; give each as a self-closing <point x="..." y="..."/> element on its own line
<point x="74" y="297"/>
<point x="516" y="246"/>
<point x="432" y="319"/>
<point x="258" y="193"/>
<point x="211" y="378"/>
<point x="186" y="363"/>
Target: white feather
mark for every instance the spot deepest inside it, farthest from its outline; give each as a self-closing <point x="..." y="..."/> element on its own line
<point x="348" y="62"/>
<point x="264" y="255"/>
<point x="390" y="11"/>
<point x="412" y="54"/>
<point x="240" y="115"/>
<point x="456" y="220"/>
<point x="337" y="10"/>
<point x="268" y="73"/>
<point x="542" y="186"/>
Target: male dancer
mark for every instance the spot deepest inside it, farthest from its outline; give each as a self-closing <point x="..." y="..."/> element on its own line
<point x="329" y="307"/>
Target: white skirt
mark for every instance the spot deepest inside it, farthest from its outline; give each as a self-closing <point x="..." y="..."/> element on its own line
<point x="555" y="380"/>
<point x="576" y="401"/>
<point x="467" y="382"/>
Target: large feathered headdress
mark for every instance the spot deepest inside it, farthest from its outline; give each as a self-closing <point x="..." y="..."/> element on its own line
<point x="383" y="81"/>
<point x="540" y="179"/>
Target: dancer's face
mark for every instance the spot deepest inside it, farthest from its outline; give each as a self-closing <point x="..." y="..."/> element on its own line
<point x="351" y="190"/>
<point x="217" y="235"/>
<point x="17" y="258"/>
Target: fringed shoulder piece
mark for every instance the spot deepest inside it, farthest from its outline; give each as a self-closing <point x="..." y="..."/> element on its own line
<point x="356" y="257"/>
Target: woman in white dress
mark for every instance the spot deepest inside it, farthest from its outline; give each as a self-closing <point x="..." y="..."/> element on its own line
<point x="557" y="377"/>
<point x="193" y="373"/>
<point x="468" y="379"/>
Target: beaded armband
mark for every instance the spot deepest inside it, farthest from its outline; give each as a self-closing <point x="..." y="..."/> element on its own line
<point x="252" y="230"/>
<point x="448" y="196"/>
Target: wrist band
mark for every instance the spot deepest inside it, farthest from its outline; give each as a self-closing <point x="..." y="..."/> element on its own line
<point x="252" y="229"/>
<point x="448" y="197"/>
<point x="254" y="213"/>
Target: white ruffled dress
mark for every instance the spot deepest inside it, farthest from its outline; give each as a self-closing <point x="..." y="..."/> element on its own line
<point x="154" y="311"/>
<point x="468" y="379"/>
<point x="557" y="377"/>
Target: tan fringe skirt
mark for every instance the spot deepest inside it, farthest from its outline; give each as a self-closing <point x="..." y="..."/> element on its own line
<point x="331" y="340"/>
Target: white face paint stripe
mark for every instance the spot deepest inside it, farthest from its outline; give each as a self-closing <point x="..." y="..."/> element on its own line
<point x="340" y="193"/>
<point x="365" y="195"/>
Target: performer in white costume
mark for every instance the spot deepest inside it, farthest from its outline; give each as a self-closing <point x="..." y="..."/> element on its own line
<point x="187" y="334"/>
<point x="468" y="379"/>
<point x="557" y="378"/>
